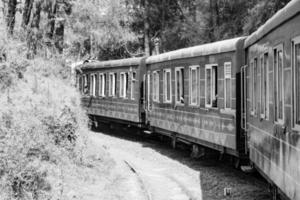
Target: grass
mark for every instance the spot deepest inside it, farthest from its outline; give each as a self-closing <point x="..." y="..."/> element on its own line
<point x="44" y="149"/>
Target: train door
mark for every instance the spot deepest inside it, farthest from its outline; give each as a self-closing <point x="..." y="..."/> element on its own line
<point x="244" y="105"/>
<point x="147" y="105"/>
<point x="241" y="112"/>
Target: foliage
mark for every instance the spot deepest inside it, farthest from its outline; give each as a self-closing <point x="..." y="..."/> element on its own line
<point x="99" y="27"/>
<point x="261" y="12"/>
<point x="41" y="123"/>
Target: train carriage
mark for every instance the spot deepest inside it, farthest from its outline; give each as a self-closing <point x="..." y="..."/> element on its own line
<point x="191" y="95"/>
<point x="273" y="99"/>
<point x="111" y="90"/>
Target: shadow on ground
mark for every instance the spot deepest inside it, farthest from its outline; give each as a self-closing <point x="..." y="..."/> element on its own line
<point x="215" y="175"/>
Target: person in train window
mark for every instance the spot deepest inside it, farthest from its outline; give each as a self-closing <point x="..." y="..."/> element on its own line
<point x="182" y="98"/>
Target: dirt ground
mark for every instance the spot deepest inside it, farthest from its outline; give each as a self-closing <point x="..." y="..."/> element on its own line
<point x="166" y="173"/>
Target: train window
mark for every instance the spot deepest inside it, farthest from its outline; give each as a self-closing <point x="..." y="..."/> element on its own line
<point x="112" y="84"/>
<point x="296" y="81"/>
<point x="93" y="85"/>
<point x="179" y="85"/>
<point x="123" y="85"/>
<point x="85" y="84"/>
<point x="278" y="84"/>
<point x="167" y="86"/>
<point x="148" y="91"/>
<point x="227" y="85"/>
<point x="193" y="82"/>
<point x="252" y="87"/>
<point x="264" y="86"/>
<point x="211" y="85"/>
<point x="255" y="86"/>
<point x="155" y="85"/>
<point x="102" y="79"/>
<point x="133" y="80"/>
<point x="262" y="91"/>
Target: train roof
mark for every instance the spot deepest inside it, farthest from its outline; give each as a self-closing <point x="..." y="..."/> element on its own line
<point x="287" y="12"/>
<point x="112" y="63"/>
<point x="200" y="50"/>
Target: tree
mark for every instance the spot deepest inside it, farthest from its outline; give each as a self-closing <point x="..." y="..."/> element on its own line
<point x="100" y="30"/>
<point x="260" y="12"/>
<point x="10" y="18"/>
<point x="27" y="12"/>
<point x="33" y="33"/>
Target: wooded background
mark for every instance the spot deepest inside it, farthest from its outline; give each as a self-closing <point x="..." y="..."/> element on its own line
<point x="109" y="29"/>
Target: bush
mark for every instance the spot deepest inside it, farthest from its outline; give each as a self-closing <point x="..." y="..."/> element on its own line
<point x="42" y="126"/>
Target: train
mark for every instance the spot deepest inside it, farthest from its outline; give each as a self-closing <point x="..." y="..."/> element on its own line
<point x="238" y="96"/>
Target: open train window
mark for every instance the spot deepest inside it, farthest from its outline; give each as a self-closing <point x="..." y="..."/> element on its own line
<point x="296" y="81"/>
<point x="167" y="86"/>
<point x="211" y="86"/>
<point x="102" y="80"/>
<point x="112" y="84"/>
<point x="123" y="84"/>
<point x="85" y="84"/>
<point x="255" y="86"/>
<point x="179" y="85"/>
<point x="278" y="84"/>
<point x="264" y="92"/>
<point x="252" y="87"/>
<point x="93" y="85"/>
<point x="227" y="85"/>
<point x="133" y="80"/>
<point x="155" y="85"/>
<point x="193" y="83"/>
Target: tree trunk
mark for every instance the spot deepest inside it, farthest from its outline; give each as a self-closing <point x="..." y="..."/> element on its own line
<point x="145" y="5"/>
<point x="10" y="18"/>
<point x="59" y="27"/>
<point x="4" y="8"/>
<point x="27" y="12"/>
<point x="59" y="34"/>
<point x="33" y="32"/>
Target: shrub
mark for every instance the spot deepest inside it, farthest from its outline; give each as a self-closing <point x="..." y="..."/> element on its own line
<point x="41" y="126"/>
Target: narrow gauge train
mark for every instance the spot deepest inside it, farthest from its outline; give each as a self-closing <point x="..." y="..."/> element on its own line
<point x="272" y="99"/>
<point x="239" y="96"/>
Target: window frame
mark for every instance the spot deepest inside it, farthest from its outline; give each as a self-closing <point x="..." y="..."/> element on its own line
<point x="84" y="84"/>
<point x="295" y="41"/>
<point x="225" y="90"/>
<point x="93" y="85"/>
<point x="165" y="71"/>
<point x="102" y="83"/>
<point x="262" y="108"/>
<point x="148" y="91"/>
<point x="267" y="89"/>
<point x="255" y="85"/>
<point x="123" y="85"/>
<point x="132" y="86"/>
<point x="252" y="110"/>
<point x="178" y="69"/>
<point x="275" y="85"/>
<point x="207" y="67"/>
<point x="193" y="68"/>
<point x="155" y="86"/>
<point x="112" y="84"/>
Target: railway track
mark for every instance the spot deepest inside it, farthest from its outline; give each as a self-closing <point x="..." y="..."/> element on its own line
<point x="150" y="186"/>
<point x="141" y="181"/>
